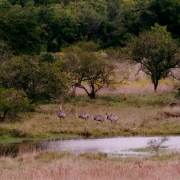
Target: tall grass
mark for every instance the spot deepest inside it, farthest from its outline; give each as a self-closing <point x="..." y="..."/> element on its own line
<point x="89" y="166"/>
<point x="140" y="114"/>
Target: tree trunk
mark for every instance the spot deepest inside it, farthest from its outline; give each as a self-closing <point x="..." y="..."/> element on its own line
<point x="155" y="86"/>
<point x="155" y="82"/>
<point x="92" y="95"/>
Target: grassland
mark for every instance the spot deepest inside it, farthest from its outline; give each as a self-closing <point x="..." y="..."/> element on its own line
<point x="89" y="166"/>
<point x="142" y="113"/>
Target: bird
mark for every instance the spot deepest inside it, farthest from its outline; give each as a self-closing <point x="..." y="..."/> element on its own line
<point x="84" y="116"/>
<point x="61" y="114"/>
<point x="98" y="118"/>
<point x="112" y="117"/>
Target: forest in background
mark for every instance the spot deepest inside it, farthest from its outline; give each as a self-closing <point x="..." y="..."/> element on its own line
<point x="46" y="47"/>
<point x="35" y="26"/>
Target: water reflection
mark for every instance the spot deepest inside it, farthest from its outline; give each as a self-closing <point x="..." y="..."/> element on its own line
<point x="118" y="145"/>
<point x="13" y="149"/>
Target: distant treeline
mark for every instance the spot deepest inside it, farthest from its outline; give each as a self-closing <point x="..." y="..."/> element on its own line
<point x="34" y="26"/>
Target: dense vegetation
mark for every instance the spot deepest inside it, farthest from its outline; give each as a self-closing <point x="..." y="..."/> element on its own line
<point x="31" y="27"/>
<point x="47" y="47"/>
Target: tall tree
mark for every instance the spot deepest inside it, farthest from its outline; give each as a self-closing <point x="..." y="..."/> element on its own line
<point x="88" y="69"/>
<point x="156" y="51"/>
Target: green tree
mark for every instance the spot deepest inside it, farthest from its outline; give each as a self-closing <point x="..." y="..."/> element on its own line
<point x="91" y="17"/>
<point x="59" y="26"/>
<point x="156" y="51"/>
<point x="88" y="69"/>
<point x="12" y="102"/>
<point x="39" y="79"/>
<point x="23" y="37"/>
<point x="165" y="13"/>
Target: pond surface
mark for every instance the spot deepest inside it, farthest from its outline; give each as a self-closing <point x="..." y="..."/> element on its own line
<point x="117" y="145"/>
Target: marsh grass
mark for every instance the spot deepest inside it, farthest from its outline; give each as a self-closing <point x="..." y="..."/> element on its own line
<point x="62" y="165"/>
<point x="140" y="114"/>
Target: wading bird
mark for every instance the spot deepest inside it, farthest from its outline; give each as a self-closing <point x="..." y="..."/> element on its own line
<point x="61" y="114"/>
<point x="98" y="118"/>
<point x="84" y="116"/>
<point x="112" y="117"/>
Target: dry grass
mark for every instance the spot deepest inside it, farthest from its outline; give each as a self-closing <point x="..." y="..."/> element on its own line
<point x="88" y="166"/>
<point x="141" y="114"/>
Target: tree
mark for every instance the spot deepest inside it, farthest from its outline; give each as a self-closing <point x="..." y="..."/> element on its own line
<point x="23" y="37"/>
<point x="165" y="13"/>
<point x="87" y="68"/>
<point x="156" y="51"/>
<point x="12" y="102"/>
<point x="91" y="18"/>
<point x="39" y="79"/>
<point x="156" y="143"/>
<point x="59" y="26"/>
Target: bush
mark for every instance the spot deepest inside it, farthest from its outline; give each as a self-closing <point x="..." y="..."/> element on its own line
<point x="12" y="102"/>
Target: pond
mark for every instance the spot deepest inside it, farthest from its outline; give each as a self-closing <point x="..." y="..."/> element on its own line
<point x="117" y="145"/>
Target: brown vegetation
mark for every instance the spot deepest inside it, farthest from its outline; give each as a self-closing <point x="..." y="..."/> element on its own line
<point x="88" y="166"/>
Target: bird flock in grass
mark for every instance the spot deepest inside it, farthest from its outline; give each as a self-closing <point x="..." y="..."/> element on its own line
<point x="86" y="116"/>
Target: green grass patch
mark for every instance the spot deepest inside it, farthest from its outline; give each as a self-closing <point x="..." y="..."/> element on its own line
<point x="140" y="114"/>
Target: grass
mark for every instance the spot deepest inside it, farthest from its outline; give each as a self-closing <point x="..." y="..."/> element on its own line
<point x="140" y="114"/>
<point x="89" y="166"/>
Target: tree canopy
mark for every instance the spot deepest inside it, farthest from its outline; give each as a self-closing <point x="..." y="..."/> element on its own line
<point x="156" y="51"/>
<point x="87" y="68"/>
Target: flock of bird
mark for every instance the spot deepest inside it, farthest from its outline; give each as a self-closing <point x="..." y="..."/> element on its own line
<point x="86" y="116"/>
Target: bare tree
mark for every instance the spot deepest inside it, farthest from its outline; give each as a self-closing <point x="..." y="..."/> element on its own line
<point x="156" y="143"/>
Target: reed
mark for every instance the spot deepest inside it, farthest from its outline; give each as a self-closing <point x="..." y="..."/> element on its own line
<point x="89" y="166"/>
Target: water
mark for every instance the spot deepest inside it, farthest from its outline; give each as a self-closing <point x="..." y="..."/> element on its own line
<point x="117" y="145"/>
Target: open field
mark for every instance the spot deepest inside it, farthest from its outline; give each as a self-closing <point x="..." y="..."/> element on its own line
<point x="140" y="114"/>
<point x="88" y="166"/>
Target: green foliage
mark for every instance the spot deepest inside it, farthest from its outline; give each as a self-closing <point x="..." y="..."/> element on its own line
<point x="59" y="26"/>
<point x="42" y="25"/>
<point x="166" y="13"/>
<point x="12" y="102"/>
<point x="39" y="79"/>
<point x="156" y="51"/>
<point x="23" y="37"/>
<point x="86" y="66"/>
<point x="4" y="6"/>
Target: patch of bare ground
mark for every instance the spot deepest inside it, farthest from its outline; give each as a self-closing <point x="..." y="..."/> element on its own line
<point x="55" y="166"/>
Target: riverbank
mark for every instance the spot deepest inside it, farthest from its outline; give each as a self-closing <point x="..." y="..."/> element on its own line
<point x="145" y="114"/>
